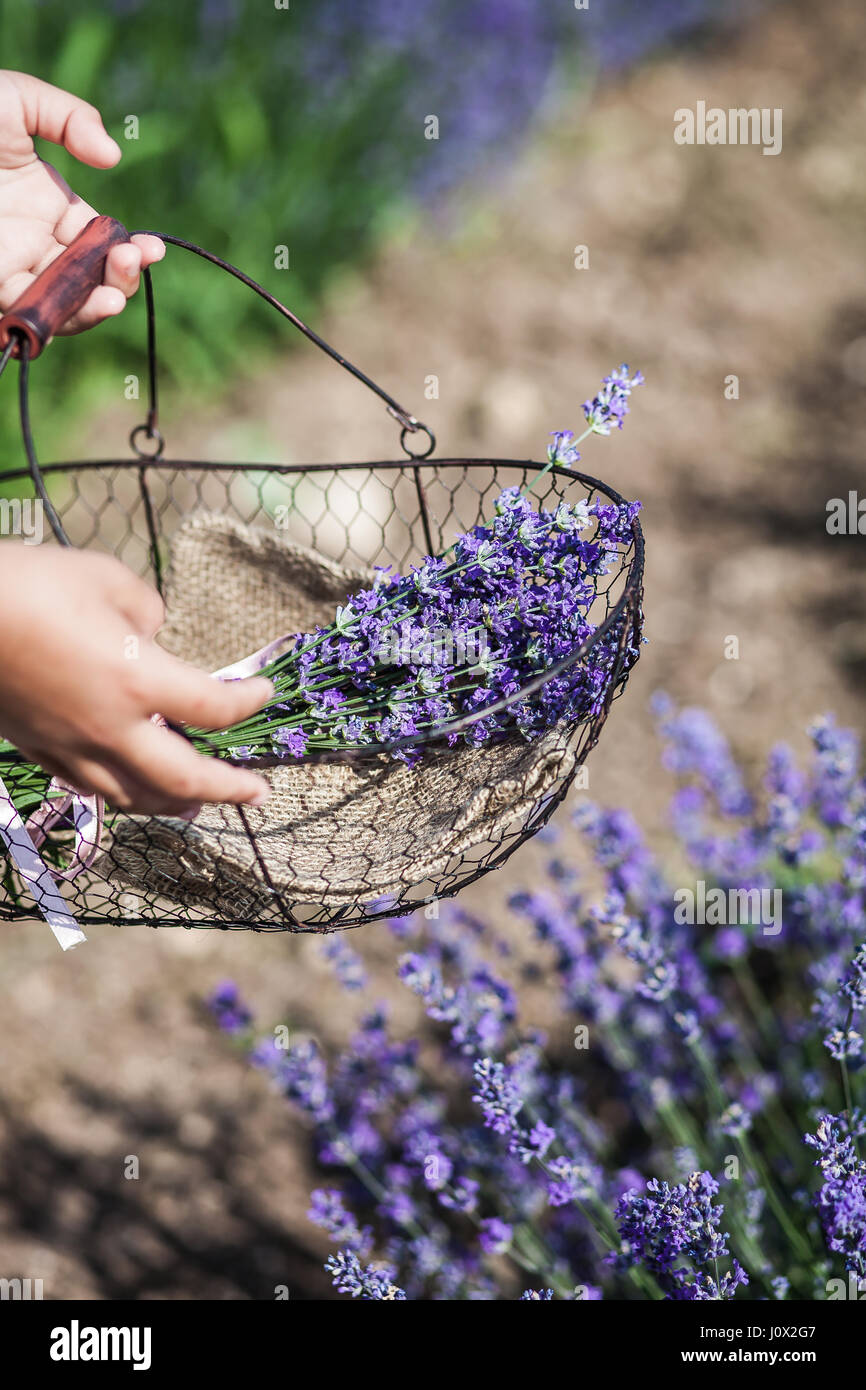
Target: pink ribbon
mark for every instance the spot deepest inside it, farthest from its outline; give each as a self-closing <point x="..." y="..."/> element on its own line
<point x="88" y="816"/>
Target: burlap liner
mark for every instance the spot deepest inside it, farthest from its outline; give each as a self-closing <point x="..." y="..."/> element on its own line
<point x="331" y="834"/>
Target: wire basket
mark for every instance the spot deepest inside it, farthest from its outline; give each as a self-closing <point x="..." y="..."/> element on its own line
<point x="242" y="553"/>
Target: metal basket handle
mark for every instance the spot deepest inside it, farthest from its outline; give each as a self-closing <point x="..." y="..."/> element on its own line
<point x="62" y="289"/>
<point x="410" y="425"/>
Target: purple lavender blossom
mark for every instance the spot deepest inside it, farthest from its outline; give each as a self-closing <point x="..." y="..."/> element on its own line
<point x="841" y="1201"/>
<point x="498" y="1097"/>
<point x="300" y="1073"/>
<point x="495" y="1236"/>
<point x="501" y="62"/>
<point x="365" y="1282"/>
<point x="327" y="1210"/>
<point x="227" y="1007"/>
<point x="571" y="1182"/>
<point x="694" y="745"/>
<point x="609" y="407"/>
<point x="674" y="1233"/>
<point x="517" y="590"/>
<point x="562" y="449"/>
<point x="345" y="963"/>
<point x="295" y="740"/>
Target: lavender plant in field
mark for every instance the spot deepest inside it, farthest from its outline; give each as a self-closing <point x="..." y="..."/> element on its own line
<point x="841" y="1200"/>
<point x="688" y="1126"/>
<point x="674" y="1232"/>
<point x="482" y="69"/>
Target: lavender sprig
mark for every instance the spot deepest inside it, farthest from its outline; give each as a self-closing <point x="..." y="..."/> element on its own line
<point x="674" y="1233"/>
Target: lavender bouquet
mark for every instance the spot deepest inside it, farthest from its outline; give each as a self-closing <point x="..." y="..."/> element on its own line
<point x="415" y="656"/>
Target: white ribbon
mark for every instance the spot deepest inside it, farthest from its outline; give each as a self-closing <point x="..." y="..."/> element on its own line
<point x="251" y="665"/>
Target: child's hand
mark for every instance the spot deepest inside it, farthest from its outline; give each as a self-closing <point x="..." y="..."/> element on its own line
<point x="80" y="678"/>
<point x="39" y="213"/>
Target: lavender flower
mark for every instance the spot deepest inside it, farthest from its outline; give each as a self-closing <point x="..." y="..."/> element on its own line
<point x="327" y="1210"/>
<point x="735" y="1120"/>
<point x="346" y="963"/>
<point x="498" y="1097"/>
<point x="841" y="1200"/>
<point x="562" y="449"/>
<point x="853" y="986"/>
<point x="609" y="407"/>
<point x="300" y="1072"/>
<point x="844" y="1045"/>
<point x="669" y="1225"/>
<point x="227" y="1007"/>
<point x="365" y="1282"/>
<point x="495" y="1236"/>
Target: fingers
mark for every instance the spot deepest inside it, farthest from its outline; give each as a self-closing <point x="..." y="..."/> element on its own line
<point x="88" y="776"/>
<point x="122" y="272"/>
<point x="122" y="266"/>
<point x="156" y="773"/>
<point x="172" y="776"/>
<point x="186" y="695"/>
<point x="152" y="248"/>
<point x="124" y="262"/>
<point x="75" y="216"/>
<point x="55" y="765"/>
<point x="102" y="303"/>
<point x="52" y="114"/>
<point x="92" y="776"/>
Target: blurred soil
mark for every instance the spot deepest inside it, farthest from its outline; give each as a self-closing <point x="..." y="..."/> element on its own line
<point x="704" y="262"/>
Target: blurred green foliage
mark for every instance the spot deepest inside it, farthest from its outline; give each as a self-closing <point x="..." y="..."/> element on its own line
<point x="232" y="146"/>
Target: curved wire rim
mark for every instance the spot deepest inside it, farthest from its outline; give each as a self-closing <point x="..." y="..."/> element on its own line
<point x="628" y="600"/>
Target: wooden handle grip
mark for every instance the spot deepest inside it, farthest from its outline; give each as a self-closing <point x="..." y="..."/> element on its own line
<point x="64" y="285"/>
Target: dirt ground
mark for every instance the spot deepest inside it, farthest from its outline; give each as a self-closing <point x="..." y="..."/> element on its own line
<point x="704" y="262"/>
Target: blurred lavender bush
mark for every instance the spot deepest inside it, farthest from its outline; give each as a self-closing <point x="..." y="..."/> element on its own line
<point x="303" y="127"/>
<point x="689" y="1128"/>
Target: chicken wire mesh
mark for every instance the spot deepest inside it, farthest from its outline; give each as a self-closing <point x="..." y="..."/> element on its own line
<point x="244" y="552"/>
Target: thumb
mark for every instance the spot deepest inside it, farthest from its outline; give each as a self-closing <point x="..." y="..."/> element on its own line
<point x="52" y="114"/>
